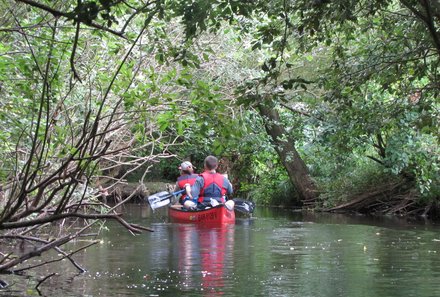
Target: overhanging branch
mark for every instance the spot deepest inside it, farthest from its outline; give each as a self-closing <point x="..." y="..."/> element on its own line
<point x="70" y="16"/>
<point x="52" y="218"/>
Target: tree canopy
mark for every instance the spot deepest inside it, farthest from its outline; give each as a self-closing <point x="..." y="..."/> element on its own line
<point x="322" y="104"/>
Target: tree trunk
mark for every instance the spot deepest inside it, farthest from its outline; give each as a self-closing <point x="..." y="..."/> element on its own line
<point x="285" y="147"/>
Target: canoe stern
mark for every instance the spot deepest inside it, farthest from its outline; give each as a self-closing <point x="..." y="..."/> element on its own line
<point x="215" y="215"/>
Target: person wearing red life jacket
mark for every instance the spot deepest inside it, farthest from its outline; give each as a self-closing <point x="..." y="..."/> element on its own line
<point x="186" y="179"/>
<point x="210" y="188"/>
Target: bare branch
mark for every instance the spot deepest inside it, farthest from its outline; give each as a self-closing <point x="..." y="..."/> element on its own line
<point x="72" y="56"/>
<point x="37" y="239"/>
<point x="57" y="217"/>
<point x="56" y="260"/>
<point x="70" y="16"/>
<point x="44" y="279"/>
<point x="376" y="160"/>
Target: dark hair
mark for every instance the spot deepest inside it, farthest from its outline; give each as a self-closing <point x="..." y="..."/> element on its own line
<point x="211" y="162"/>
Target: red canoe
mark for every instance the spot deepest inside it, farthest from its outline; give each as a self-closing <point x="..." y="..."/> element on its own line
<point x="213" y="216"/>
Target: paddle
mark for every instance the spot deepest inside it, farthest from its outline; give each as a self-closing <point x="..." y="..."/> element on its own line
<point x="244" y="206"/>
<point x="162" y="198"/>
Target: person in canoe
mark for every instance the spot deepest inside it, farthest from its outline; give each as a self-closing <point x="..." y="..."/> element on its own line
<point x="210" y="188"/>
<point x="186" y="179"/>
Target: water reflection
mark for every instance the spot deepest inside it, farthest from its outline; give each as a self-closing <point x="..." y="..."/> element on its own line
<point x="277" y="253"/>
<point x="205" y="257"/>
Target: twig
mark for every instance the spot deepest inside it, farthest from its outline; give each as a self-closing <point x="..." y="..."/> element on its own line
<point x="375" y="159"/>
<point x="28" y="176"/>
<point x="55" y="260"/>
<point x="5" y="257"/>
<point x="59" y="250"/>
<point x="107" y="92"/>
<point x="35" y="252"/>
<point x="41" y="281"/>
<point x="72" y="56"/>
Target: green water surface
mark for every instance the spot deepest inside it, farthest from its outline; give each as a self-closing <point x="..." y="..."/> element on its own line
<point x="275" y="253"/>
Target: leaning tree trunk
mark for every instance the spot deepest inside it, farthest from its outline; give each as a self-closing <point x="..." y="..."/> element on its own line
<point x="285" y="147"/>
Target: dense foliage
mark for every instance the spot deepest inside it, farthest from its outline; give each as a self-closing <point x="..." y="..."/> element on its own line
<point x="357" y="80"/>
<point x="329" y="104"/>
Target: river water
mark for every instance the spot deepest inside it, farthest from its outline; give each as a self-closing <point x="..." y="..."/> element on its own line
<point x="275" y="253"/>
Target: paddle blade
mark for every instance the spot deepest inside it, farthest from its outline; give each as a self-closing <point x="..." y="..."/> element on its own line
<point x="160" y="199"/>
<point x="244" y="206"/>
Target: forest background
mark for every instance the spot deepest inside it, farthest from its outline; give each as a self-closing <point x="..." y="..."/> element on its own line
<point x="329" y="105"/>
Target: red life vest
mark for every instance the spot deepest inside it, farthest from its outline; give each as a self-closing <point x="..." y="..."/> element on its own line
<point x="213" y="187"/>
<point x="186" y="179"/>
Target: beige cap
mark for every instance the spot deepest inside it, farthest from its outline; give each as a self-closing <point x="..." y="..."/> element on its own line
<point x="185" y="165"/>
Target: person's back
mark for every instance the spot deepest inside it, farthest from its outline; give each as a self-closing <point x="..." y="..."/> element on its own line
<point x="211" y="186"/>
<point x="215" y="186"/>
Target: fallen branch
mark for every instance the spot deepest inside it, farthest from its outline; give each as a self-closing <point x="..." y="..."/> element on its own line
<point x="368" y="198"/>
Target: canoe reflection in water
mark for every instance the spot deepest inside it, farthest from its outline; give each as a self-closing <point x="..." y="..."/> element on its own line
<point x="205" y="257"/>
